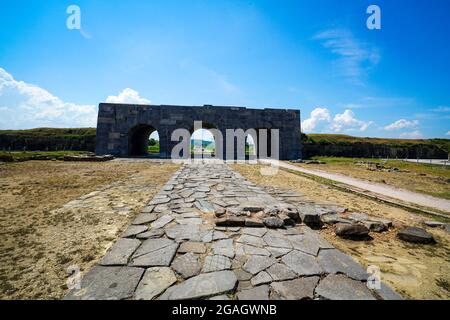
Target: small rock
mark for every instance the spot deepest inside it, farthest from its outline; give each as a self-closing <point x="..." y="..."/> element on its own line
<point x="252" y="208"/>
<point x="219" y="212"/>
<point x="358" y="217"/>
<point x="230" y="222"/>
<point x="356" y="231"/>
<point x="375" y="226"/>
<point x="254" y="223"/>
<point x="287" y="221"/>
<point x="273" y="222"/>
<point x="311" y="219"/>
<point x="333" y="219"/>
<point x="434" y="224"/>
<point x="415" y="235"/>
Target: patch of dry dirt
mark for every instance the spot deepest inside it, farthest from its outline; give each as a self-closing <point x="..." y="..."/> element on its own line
<point x="415" y="271"/>
<point x="57" y="214"/>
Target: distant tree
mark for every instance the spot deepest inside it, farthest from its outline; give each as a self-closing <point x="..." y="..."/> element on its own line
<point x="152" y="142"/>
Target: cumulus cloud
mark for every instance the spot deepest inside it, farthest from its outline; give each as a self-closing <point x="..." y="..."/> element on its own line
<point x="448" y="133"/>
<point x="317" y="115"/>
<point x="355" y="58"/>
<point x="402" y="124"/>
<point x="25" y="105"/>
<point x="416" y="134"/>
<point x="345" y="121"/>
<point x="128" y="96"/>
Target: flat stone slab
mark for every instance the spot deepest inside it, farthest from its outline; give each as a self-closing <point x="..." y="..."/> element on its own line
<point x="187" y="265"/>
<point x="278" y="252"/>
<point x="251" y="240"/>
<point x="216" y="263"/>
<point x="251" y="250"/>
<point x="181" y="232"/>
<point x="278" y="240"/>
<point x="256" y="293"/>
<point x="193" y="247"/>
<point x="154" y="282"/>
<point x="415" y="235"/>
<point x="134" y="230"/>
<point x="223" y="247"/>
<point x="107" y="283"/>
<point x="335" y="261"/>
<point x="280" y="272"/>
<point x="297" y="289"/>
<point x="154" y="252"/>
<point x="151" y="234"/>
<point x="261" y="278"/>
<point x="255" y="264"/>
<point x="305" y="243"/>
<point x="203" y="285"/>
<point x="339" y="287"/>
<point x="346" y="230"/>
<point x="162" y="221"/>
<point x="257" y="232"/>
<point x="144" y="218"/>
<point x="302" y="263"/>
<point x="120" y="252"/>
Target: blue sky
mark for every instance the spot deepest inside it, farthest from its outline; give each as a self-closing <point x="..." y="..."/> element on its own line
<point x="317" y="56"/>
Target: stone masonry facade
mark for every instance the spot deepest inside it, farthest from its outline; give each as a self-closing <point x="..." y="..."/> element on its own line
<point x="123" y="129"/>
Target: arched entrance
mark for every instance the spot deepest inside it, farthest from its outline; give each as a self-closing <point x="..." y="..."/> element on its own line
<point x="139" y="141"/>
<point x="203" y="144"/>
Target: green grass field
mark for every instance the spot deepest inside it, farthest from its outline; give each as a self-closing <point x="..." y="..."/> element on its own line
<point x="432" y="179"/>
<point x="36" y="155"/>
<point x="343" y="139"/>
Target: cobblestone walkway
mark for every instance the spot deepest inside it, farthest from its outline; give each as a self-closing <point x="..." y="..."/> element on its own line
<point x="205" y="235"/>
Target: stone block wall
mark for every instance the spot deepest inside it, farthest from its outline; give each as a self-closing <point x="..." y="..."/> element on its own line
<point x="121" y="126"/>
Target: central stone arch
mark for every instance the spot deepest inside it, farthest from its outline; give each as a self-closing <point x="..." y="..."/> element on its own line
<point x="138" y="139"/>
<point x="123" y="129"/>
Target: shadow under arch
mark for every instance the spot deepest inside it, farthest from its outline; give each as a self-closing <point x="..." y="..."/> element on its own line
<point x="138" y="140"/>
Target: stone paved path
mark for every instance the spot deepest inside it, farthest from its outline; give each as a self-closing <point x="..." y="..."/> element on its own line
<point x="205" y="236"/>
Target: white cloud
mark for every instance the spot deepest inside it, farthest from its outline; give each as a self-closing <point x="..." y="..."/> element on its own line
<point x="448" y="133"/>
<point x="25" y="105"/>
<point x="341" y="122"/>
<point x="402" y="124"/>
<point x="317" y="115"/>
<point x="128" y="96"/>
<point x="412" y="135"/>
<point x="347" y="121"/>
<point x="355" y="57"/>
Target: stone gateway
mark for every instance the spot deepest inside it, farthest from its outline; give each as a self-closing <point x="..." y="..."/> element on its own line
<point x="124" y="129"/>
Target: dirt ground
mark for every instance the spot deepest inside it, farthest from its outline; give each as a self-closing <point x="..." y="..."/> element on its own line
<point x="56" y="214"/>
<point x="433" y="180"/>
<point x="415" y="271"/>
